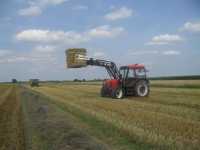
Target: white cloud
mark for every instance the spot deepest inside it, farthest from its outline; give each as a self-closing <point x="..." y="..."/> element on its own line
<point x="99" y="54"/>
<point x="121" y="13"/>
<point x="47" y="36"/>
<point x="105" y="31"/>
<point x="36" y="7"/>
<point x="165" y="39"/>
<point x="171" y="52"/>
<point x="30" y="11"/>
<point x="40" y="54"/>
<point x="32" y="57"/>
<point x="144" y="52"/>
<point x="192" y="27"/>
<point x="69" y="37"/>
<point x="80" y="7"/>
<point x="49" y="2"/>
<point x="15" y="59"/>
<point x="153" y="52"/>
<point x="44" y="49"/>
<point x="4" y="52"/>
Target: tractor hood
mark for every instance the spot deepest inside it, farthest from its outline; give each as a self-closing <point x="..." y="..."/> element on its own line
<point x="112" y="84"/>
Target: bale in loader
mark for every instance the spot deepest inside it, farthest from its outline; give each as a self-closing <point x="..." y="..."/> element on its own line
<point x="73" y="58"/>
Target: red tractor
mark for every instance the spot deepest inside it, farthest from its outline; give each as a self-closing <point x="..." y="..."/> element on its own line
<point x="125" y="81"/>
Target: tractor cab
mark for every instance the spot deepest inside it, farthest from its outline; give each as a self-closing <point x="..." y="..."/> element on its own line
<point x="134" y="80"/>
<point x="133" y="71"/>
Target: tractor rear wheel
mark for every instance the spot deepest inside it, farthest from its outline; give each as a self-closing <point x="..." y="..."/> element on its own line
<point x="142" y="88"/>
<point x="118" y="93"/>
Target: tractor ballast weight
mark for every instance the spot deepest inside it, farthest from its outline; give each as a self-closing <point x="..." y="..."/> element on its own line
<point x="127" y="80"/>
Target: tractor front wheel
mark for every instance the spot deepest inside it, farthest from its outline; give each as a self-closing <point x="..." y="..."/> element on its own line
<point x="142" y="89"/>
<point x="118" y="93"/>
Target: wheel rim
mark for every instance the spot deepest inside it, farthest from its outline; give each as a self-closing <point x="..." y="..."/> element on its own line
<point x="119" y="93"/>
<point x="142" y="90"/>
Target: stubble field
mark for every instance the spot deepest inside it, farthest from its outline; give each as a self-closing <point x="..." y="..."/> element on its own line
<point x="74" y="116"/>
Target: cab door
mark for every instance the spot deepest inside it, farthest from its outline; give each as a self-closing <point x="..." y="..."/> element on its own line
<point x="130" y="78"/>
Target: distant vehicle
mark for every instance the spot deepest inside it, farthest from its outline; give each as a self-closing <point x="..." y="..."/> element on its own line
<point x="14" y="80"/>
<point x="34" y="82"/>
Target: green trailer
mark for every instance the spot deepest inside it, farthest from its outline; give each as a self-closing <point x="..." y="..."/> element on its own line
<point x="34" y="82"/>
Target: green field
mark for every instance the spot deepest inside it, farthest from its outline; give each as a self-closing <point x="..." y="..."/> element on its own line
<point x="74" y="116"/>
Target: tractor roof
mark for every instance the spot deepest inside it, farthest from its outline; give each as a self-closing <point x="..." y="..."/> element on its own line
<point x="134" y="66"/>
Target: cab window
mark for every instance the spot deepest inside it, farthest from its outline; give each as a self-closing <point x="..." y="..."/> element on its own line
<point x="131" y="73"/>
<point x="140" y="72"/>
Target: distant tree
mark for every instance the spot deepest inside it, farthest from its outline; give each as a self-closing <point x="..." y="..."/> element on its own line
<point x="84" y="80"/>
<point x="14" y="80"/>
<point x="77" y="80"/>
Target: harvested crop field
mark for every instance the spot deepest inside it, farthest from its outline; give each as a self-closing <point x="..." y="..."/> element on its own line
<point x="74" y="116"/>
<point x="11" y="119"/>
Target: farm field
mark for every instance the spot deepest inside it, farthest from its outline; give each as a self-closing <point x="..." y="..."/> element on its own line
<point x="29" y="122"/>
<point x="176" y="83"/>
<point x="74" y="116"/>
<point x="11" y="121"/>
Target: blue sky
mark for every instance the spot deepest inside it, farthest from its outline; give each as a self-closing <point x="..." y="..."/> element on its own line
<point x="163" y="35"/>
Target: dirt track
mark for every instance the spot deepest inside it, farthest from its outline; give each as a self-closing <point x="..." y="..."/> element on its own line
<point x="11" y="124"/>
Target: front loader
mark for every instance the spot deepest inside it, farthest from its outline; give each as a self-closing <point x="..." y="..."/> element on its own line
<point x="129" y="80"/>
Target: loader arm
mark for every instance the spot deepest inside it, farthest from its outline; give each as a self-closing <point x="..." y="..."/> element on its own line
<point x="110" y="66"/>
